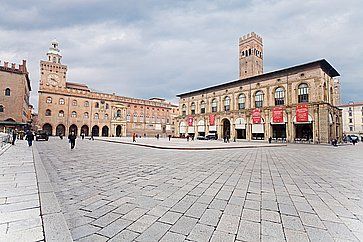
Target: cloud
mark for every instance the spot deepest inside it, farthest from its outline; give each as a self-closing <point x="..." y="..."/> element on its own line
<point x="162" y="48"/>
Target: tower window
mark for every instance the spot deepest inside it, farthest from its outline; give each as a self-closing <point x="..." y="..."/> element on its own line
<point x="61" y="113"/>
<point x="49" y="100"/>
<point x="74" y="114"/>
<point x="61" y="101"/>
<point x="7" y="92"/>
<point x="48" y="112"/>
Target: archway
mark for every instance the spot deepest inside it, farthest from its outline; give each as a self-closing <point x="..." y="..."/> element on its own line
<point x="48" y="129"/>
<point x="95" y="131"/>
<point x="85" y="130"/>
<point x="118" y="130"/>
<point x="105" y="131"/>
<point x="226" y="128"/>
<point x="73" y="128"/>
<point x="60" y="130"/>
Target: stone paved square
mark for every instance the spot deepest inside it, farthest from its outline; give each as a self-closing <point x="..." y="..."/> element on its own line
<point x="121" y="192"/>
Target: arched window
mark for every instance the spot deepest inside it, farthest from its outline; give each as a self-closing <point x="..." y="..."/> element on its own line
<point x="74" y="103"/>
<point x="49" y="100"/>
<point x="135" y="117"/>
<point x="106" y="116"/>
<point x="214" y="105"/>
<point x="61" y="101"/>
<point x="259" y="99"/>
<point x="97" y="105"/>
<point x="86" y="104"/>
<point x="107" y="106"/>
<point x="192" y="108"/>
<point x="1" y="108"/>
<point x="118" y="113"/>
<point x="74" y="114"/>
<point x="303" y="93"/>
<point x="61" y="113"/>
<point x="241" y="101"/>
<point x="7" y="92"/>
<point x="48" y="112"/>
<point x="128" y="116"/>
<point x="227" y="103"/>
<point x="279" y="96"/>
<point x="96" y="116"/>
<point x="202" y="107"/>
<point x="184" y="109"/>
<point x="86" y="115"/>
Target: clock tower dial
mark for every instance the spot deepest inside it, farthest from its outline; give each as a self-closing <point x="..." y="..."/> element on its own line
<point x="53" y="79"/>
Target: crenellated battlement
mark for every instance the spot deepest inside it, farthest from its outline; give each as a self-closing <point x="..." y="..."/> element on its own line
<point x="249" y="36"/>
<point x="21" y="68"/>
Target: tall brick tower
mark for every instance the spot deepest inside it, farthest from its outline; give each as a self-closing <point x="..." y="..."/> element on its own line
<point x="250" y="55"/>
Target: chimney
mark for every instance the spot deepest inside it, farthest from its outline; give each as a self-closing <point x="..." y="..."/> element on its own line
<point x="13" y="66"/>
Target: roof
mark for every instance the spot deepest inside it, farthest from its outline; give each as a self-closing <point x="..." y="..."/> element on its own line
<point x="323" y="64"/>
<point x="351" y="104"/>
<point x="79" y="86"/>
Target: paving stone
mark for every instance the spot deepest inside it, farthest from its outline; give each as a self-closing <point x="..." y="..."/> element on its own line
<point x="316" y="234"/>
<point x="184" y="225"/>
<point x="272" y="229"/>
<point x="143" y="223"/>
<point x="228" y="223"/>
<point x="272" y="216"/>
<point x="170" y="217"/>
<point x="252" y="215"/>
<point x="220" y="236"/>
<point x="292" y="222"/>
<point x="83" y="231"/>
<point x="340" y="231"/>
<point x="294" y="235"/>
<point x="311" y="220"/>
<point x="201" y="232"/>
<point x="125" y="236"/>
<point x="211" y="217"/>
<point x="106" y="219"/>
<point x="154" y="233"/>
<point x="248" y="231"/>
<point x="170" y="236"/>
<point x="115" y="227"/>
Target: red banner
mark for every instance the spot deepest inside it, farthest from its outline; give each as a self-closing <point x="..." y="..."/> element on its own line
<point x="190" y="121"/>
<point x="277" y="115"/>
<point x="256" y="116"/>
<point x="211" y="120"/>
<point x="302" y="113"/>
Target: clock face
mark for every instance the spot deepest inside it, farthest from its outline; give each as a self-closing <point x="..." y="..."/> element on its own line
<point x="53" y="79"/>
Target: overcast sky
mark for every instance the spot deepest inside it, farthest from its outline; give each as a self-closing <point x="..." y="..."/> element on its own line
<point x="161" y="48"/>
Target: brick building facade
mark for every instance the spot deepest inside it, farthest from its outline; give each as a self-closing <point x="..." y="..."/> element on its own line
<point x="292" y="104"/>
<point x="14" y="95"/>
<point x="65" y="106"/>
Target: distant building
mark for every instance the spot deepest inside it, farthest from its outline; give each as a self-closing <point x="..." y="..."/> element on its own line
<point x="352" y="118"/>
<point x="14" y="96"/>
<point x="295" y="104"/>
<point x="66" y="106"/>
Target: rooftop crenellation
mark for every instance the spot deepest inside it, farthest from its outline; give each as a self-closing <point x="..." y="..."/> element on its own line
<point x="250" y="35"/>
<point x="21" y="68"/>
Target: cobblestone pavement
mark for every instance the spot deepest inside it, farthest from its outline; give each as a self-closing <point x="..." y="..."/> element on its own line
<point x="120" y="192"/>
<point x="19" y="199"/>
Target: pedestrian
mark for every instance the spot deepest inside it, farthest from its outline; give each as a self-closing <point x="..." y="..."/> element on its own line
<point x="60" y="135"/>
<point x="225" y="138"/>
<point x="133" y="137"/>
<point x="29" y="137"/>
<point x="157" y="136"/>
<point x="72" y="139"/>
<point x="187" y="137"/>
<point x="92" y="137"/>
<point x="82" y="135"/>
<point x="14" y="137"/>
<point x="192" y="137"/>
<point x="169" y="137"/>
<point x="270" y="139"/>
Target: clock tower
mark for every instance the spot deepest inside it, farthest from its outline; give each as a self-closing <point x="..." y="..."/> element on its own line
<point x="52" y="72"/>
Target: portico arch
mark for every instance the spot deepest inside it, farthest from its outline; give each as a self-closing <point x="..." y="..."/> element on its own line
<point x="105" y="131"/>
<point x="60" y="130"/>
<point x="95" y="131"/>
<point x="73" y="128"/>
<point x="48" y="129"/>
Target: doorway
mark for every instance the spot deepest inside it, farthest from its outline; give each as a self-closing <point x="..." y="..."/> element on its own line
<point x="226" y="128"/>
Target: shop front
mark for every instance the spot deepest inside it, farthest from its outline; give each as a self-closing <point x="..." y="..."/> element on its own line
<point x="278" y="124"/>
<point x="258" y="129"/>
<point x="201" y="128"/>
<point x="240" y="127"/>
<point x="303" y="124"/>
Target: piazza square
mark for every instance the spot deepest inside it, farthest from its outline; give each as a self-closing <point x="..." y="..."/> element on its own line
<point x="196" y="121"/>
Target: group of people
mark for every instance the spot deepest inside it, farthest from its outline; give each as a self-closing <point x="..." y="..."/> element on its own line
<point x="28" y="137"/>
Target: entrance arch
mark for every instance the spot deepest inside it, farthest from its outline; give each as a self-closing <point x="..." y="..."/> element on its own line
<point x="226" y="128"/>
<point x="73" y="128"/>
<point x="85" y="130"/>
<point x="60" y="130"/>
<point x="95" y="131"/>
<point x="105" y="131"/>
<point x="48" y="129"/>
<point x="118" y="131"/>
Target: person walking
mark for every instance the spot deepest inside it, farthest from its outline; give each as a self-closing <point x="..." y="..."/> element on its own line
<point x="92" y="137"/>
<point x="14" y="137"/>
<point x="72" y="139"/>
<point x="169" y="137"/>
<point x="133" y="137"/>
<point x="29" y="137"/>
<point x="82" y="135"/>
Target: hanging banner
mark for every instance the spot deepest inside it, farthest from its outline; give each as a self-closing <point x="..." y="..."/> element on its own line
<point x="277" y="115"/>
<point x="256" y="116"/>
<point x="190" y="121"/>
<point x="211" y="120"/>
<point x="302" y="113"/>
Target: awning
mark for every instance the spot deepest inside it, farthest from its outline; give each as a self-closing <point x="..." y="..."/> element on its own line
<point x="257" y="129"/>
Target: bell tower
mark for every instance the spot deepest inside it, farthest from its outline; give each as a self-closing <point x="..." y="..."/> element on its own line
<point x="52" y="72"/>
<point x="250" y="55"/>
